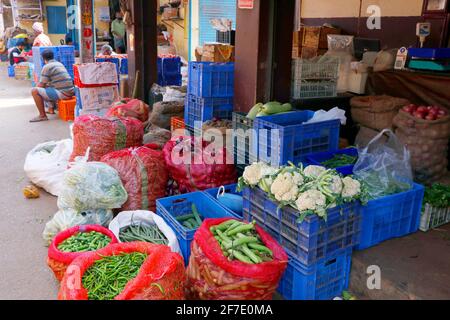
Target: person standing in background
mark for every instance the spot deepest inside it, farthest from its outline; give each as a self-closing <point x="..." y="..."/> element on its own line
<point x="41" y="40"/>
<point x="118" y="30"/>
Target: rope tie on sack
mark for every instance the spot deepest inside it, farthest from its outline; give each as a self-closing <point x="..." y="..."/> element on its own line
<point x="120" y="141"/>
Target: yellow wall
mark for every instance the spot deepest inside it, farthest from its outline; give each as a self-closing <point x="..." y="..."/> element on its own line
<point x="101" y="26"/>
<point x="179" y="30"/>
<point x="55" y="38"/>
<point x="350" y="8"/>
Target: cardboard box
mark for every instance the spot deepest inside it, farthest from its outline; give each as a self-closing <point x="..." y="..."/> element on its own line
<point x="311" y="37"/>
<point x="297" y="40"/>
<point x="95" y="100"/>
<point x="170" y="13"/>
<point x="217" y="52"/>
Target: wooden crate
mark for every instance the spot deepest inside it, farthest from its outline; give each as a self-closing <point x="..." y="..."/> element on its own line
<point x="317" y="37"/>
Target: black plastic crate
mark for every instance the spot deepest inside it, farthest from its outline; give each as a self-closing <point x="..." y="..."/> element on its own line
<point x="227" y="37"/>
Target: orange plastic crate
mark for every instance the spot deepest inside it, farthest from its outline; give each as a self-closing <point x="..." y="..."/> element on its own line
<point x="176" y="123"/>
<point x="66" y="109"/>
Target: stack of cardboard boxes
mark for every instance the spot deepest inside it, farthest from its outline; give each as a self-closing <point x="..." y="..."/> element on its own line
<point x="310" y="42"/>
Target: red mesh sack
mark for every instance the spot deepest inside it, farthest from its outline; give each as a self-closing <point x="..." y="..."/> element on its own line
<point x="208" y="167"/>
<point x="58" y="261"/>
<point x="211" y="276"/>
<point x="161" y="276"/>
<point x="127" y="107"/>
<point x="104" y="135"/>
<point x="143" y="173"/>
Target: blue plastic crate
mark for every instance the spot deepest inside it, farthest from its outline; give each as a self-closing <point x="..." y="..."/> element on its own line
<point x="322" y="281"/>
<point x="171" y="207"/>
<point x="124" y="66"/>
<point x="63" y="54"/>
<point x="391" y="217"/>
<point x="11" y="72"/>
<point x="318" y="158"/>
<point x="173" y="80"/>
<point x="231" y="189"/>
<point x="204" y="109"/>
<point x="292" y="140"/>
<point x="242" y="139"/>
<point x="314" y="239"/>
<point x="169" y="66"/>
<point x="211" y="80"/>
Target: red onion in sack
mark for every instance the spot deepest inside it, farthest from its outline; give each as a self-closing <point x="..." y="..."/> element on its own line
<point x="196" y="165"/>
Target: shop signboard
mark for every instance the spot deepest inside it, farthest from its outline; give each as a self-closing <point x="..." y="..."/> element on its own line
<point x="246" y="4"/>
<point x="87" y="31"/>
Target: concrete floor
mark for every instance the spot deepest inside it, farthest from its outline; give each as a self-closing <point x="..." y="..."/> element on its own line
<point x="23" y="267"/>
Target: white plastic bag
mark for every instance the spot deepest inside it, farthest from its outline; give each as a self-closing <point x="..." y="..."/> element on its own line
<point x="65" y="219"/>
<point x="91" y="185"/>
<point x="46" y="163"/>
<point x="384" y="166"/>
<point x="333" y="114"/>
<point x="127" y="218"/>
<point x="174" y="94"/>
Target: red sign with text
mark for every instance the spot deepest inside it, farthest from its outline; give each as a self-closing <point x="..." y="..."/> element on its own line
<point x="246" y="4"/>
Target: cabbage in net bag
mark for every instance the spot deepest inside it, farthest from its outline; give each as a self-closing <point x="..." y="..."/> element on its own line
<point x="211" y="276"/>
<point x="384" y="166"/>
<point x="91" y="185"/>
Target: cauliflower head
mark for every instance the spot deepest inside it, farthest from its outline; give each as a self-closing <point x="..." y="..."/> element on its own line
<point x="285" y="186"/>
<point x="314" y="171"/>
<point x="351" y="188"/>
<point x="311" y="200"/>
<point x="336" y="185"/>
<point x="253" y="173"/>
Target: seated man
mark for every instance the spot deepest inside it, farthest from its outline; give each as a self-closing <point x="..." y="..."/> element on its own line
<point x="55" y="84"/>
<point x="107" y="50"/>
<point x="16" y="55"/>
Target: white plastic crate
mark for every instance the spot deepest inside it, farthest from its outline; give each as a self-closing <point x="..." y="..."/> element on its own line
<point x="322" y="69"/>
<point x="434" y="217"/>
<point x="302" y="89"/>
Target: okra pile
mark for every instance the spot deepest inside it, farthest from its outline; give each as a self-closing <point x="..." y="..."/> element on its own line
<point x="150" y="233"/>
<point x="107" y="277"/>
<point x="190" y="221"/>
<point x="84" y="241"/>
<point x="240" y="241"/>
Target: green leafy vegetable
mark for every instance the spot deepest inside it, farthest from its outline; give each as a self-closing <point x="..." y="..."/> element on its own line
<point x="339" y="160"/>
<point x="437" y="196"/>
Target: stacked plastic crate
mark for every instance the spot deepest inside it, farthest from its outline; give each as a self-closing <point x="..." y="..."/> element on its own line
<point x="63" y="54"/>
<point x="210" y="93"/>
<point x="319" y="250"/>
<point x="315" y="78"/>
<point x="169" y="71"/>
<point x="96" y="87"/>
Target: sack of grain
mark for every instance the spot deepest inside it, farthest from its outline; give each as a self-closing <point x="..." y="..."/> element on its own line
<point x="376" y="112"/>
